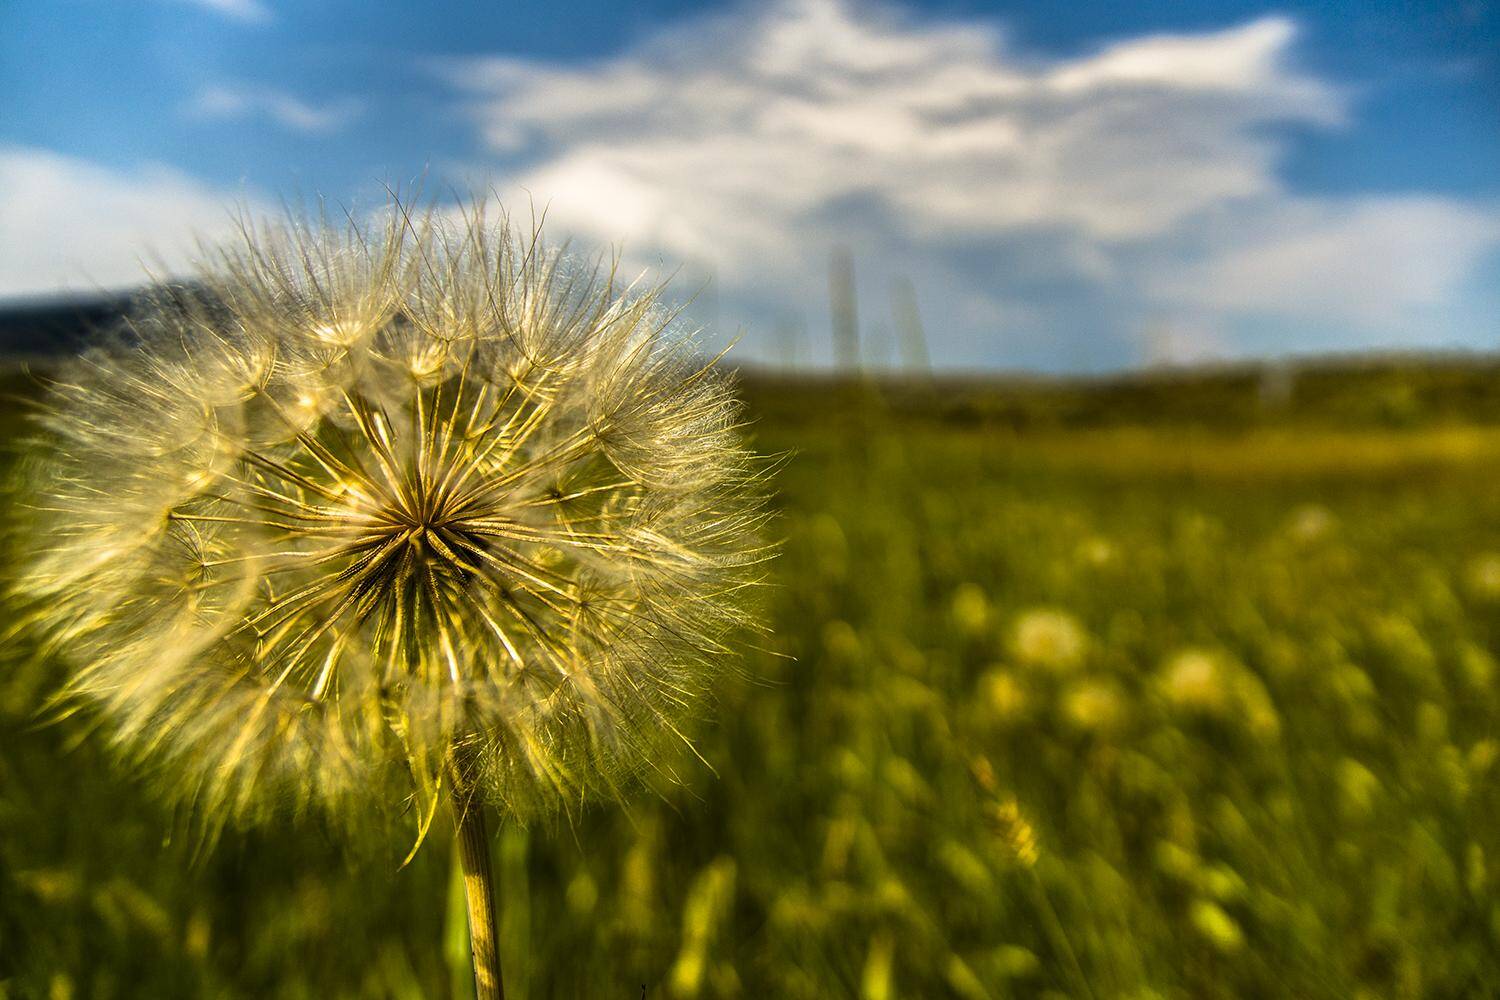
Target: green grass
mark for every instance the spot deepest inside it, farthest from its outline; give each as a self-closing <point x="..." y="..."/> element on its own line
<point x="1236" y="672"/>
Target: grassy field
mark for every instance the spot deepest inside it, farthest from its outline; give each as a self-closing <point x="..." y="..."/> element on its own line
<point x="1140" y="691"/>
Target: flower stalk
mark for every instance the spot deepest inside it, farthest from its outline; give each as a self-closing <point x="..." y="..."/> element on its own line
<point x="479" y="890"/>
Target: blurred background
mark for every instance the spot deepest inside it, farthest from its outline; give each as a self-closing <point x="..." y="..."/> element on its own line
<point x="1136" y="629"/>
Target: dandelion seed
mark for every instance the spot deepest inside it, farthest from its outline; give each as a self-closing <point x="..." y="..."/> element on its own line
<point x="373" y="513"/>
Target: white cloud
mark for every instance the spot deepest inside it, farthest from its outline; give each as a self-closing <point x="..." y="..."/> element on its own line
<point x="74" y="226"/>
<point x="1097" y="192"/>
<point x="1368" y="260"/>
<point x="224" y="102"/>
<point x="249" y="11"/>
<point x="809" y="103"/>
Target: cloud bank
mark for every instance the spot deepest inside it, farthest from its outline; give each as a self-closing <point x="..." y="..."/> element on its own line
<point x="1035" y="203"/>
<point x="75" y="227"/>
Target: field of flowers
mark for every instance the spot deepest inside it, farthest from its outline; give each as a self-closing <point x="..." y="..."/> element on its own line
<point x="1134" y="709"/>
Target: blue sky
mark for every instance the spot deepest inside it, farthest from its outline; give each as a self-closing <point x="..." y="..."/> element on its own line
<point x="1068" y="186"/>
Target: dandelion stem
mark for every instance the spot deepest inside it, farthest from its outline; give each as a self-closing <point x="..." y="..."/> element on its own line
<point x="479" y="888"/>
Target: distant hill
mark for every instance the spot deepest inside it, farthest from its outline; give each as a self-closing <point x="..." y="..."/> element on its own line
<point x="44" y="328"/>
<point x="1390" y="390"/>
<point x="1402" y="389"/>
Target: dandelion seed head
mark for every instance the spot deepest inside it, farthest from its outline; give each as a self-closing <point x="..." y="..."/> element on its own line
<point x="362" y="500"/>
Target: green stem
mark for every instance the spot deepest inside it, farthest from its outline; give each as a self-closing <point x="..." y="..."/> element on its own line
<point x="1059" y="936"/>
<point x="479" y="888"/>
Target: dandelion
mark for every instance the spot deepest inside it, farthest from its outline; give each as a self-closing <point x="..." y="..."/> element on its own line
<point x="970" y="609"/>
<point x="378" y="516"/>
<point x="1210" y="684"/>
<point x="1049" y="637"/>
<point x="1195" y="680"/>
<point x="1003" y="695"/>
<point x="1093" y="705"/>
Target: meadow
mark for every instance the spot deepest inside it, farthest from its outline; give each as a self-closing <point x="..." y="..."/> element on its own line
<point x="1164" y="688"/>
